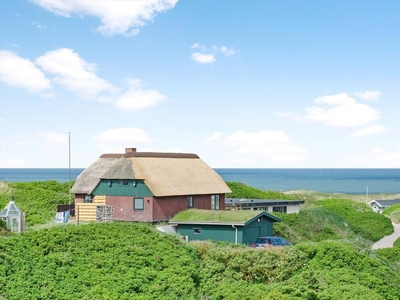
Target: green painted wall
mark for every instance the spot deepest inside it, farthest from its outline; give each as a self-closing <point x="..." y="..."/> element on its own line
<point x="208" y="232"/>
<point x="108" y="187"/>
<point x="245" y="234"/>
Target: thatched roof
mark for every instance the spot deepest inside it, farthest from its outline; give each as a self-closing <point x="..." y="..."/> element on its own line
<point x="165" y="174"/>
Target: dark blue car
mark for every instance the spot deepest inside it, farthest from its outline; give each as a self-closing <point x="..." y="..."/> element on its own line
<point x="270" y="241"/>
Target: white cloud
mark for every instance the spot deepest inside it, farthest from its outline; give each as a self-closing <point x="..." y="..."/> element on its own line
<point x="22" y="73"/>
<point x="12" y="163"/>
<point x="113" y="140"/>
<point x="371" y="130"/>
<point x="203" y="58"/>
<point x="376" y="158"/>
<point x="272" y="145"/>
<point x="136" y="98"/>
<point x="226" y="51"/>
<point x="117" y="16"/>
<point x="368" y="95"/>
<point x="72" y="72"/>
<point x="338" y="111"/>
<point x="198" y="46"/>
<point x="215" y="136"/>
<point x="38" y="25"/>
<point x="47" y="140"/>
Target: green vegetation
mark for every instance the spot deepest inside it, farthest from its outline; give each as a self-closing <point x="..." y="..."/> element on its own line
<point x="393" y="213"/>
<point x="38" y="200"/>
<point x="215" y="215"/>
<point x="325" y="270"/>
<point x="314" y="224"/>
<point x="331" y="257"/>
<point x="240" y="190"/>
<point x="360" y="218"/>
<point x="123" y="260"/>
<point x="97" y="261"/>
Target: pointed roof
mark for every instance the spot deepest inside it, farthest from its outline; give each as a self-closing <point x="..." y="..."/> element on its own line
<point x="220" y="217"/>
<point x="11" y="209"/>
<point x="165" y="174"/>
<point x="386" y="203"/>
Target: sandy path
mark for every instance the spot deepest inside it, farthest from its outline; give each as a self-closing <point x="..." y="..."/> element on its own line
<point x="387" y="241"/>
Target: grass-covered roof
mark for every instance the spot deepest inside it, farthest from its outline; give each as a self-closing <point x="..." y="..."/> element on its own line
<point x="218" y="216"/>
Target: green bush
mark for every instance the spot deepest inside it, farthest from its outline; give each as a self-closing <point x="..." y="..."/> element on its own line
<point x="391" y="209"/>
<point x="38" y="200"/>
<point x="97" y="261"/>
<point x="396" y="243"/>
<point x="242" y="191"/>
<point x="3" y="224"/>
<point x="391" y="254"/>
<point x="360" y="218"/>
<point x="324" y="270"/>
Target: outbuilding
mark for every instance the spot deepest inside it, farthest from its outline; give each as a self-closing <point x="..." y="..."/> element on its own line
<point x="239" y="227"/>
<point x="14" y="217"/>
<point x="380" y="205"/>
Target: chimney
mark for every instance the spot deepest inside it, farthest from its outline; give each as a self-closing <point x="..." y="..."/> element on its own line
<point x="130" y="150"/>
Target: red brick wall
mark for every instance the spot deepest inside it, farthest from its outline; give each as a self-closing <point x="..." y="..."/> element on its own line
<point x="79" y="198"/>
<point x="166" y="207"/>
<point x="123" y="209"/>
<point x="155" y="210"/>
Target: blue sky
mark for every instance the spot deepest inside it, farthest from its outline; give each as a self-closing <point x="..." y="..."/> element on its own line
<point x="243" y="84"/>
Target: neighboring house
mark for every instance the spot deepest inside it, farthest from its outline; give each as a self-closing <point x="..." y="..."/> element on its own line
<point x="14" y="217"/>
<point x="239" y="227"/>
<point x="147" y="186"/>
<point x="282" y="206"/>
<point x="380" y="205"/>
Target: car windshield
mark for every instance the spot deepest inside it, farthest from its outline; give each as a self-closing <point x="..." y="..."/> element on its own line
<point x="262" y="240"/>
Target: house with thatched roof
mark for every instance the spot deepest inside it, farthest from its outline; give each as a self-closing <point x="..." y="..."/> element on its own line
<point x="147" y="186"/>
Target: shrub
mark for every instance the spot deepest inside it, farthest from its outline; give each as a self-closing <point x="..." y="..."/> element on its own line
<point x="360" y="218"/>
<point x="391" y="254"/>
<point x="38" y="200"/>
<point x="240" y="190"/>
<point x="3" y="224"/>
<point x="97" y="261"/>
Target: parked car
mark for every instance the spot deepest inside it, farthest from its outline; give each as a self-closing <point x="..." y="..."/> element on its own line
<point x="270" y="241"/>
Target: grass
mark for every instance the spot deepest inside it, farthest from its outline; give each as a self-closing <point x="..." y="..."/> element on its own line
<point x="215" y="215"/>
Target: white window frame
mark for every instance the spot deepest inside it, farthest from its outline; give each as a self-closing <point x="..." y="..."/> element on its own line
<point x="190" y="201"/>
<point x="136" y="203"/>
<point x="215" y="202"/>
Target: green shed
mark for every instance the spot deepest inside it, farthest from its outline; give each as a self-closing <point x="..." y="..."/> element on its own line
<point x="239" y="227"/>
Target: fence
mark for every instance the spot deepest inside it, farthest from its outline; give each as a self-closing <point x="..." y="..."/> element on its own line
<point x="65" y="207"/>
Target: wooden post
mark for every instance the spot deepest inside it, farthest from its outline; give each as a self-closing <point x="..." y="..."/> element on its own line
<point x="77" y="214"/>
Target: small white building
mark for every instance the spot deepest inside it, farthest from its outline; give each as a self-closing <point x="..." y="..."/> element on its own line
<point x="380" y="205"/>
<point x="14" y="217"/>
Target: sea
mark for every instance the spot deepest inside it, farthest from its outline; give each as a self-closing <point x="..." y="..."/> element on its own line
<point x="346" y="181"/>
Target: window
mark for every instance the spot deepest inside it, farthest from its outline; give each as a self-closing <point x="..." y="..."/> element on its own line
<point x="215" y="202"/>
<point x="138" y="204"/>
<point x="280" y="209"/>
<point x="123" y="182"/>
<point x="88" y="199"/>
<point x="197" y="230"/>
<point x="190" y="201"/>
